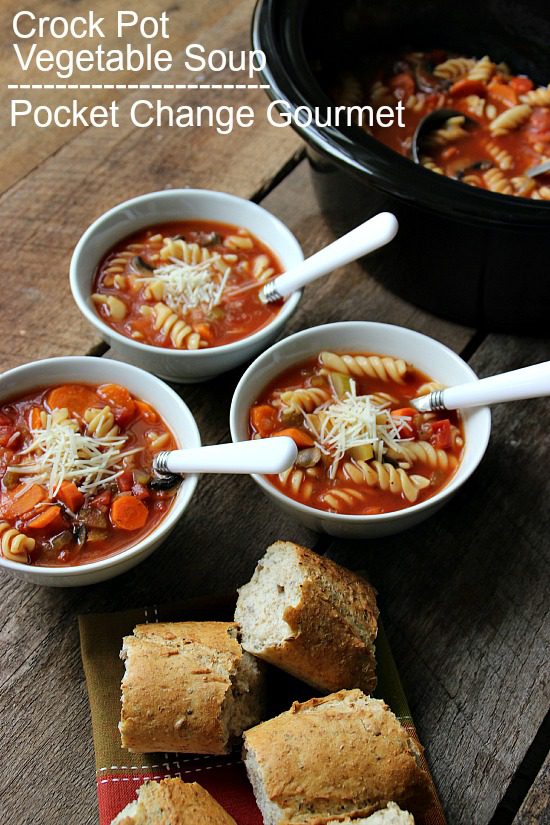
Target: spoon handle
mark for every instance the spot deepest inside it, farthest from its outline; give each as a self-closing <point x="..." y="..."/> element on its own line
<point x="371" y="235"/>
<point x="268" y="455"/>
<point x="528" y="382"/>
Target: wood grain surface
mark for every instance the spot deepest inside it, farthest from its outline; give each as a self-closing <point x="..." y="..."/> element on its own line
<point x="464" y="596"/>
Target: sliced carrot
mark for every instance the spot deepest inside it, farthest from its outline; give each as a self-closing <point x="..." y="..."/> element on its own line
<point x="300" y="438"/>
<point x="404" y="411"/>
<point x="15" y="503"/>
<point x="146" y="412"/>
<point x="465" y="87"/>
<point x="120" y="401"/>
<point x="205" y="331"/>
<point x="70" y="496"/>
<point x="521" y="85"/>
<point x="75" y="397"/>
<point x="263" y="419"/>
<point x="502" y="92"/>
<point x="129" y="513"/>
<point x="49" y="519"/>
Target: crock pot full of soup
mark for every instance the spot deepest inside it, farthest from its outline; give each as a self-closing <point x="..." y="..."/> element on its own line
<point x="473" y="244"/>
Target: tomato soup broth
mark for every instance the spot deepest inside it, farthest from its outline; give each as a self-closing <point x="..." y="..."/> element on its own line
<point x="363" y="450"/>
<point x="76" y="482"/>
<point x="186" y="285"/>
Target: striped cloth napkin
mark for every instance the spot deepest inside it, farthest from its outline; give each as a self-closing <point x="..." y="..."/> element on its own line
<point x="119" y="773"/>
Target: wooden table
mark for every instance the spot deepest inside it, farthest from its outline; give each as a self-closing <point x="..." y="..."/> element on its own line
<point x="464" y="596"/>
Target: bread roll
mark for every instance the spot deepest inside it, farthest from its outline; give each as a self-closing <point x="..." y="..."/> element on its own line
<point x="188" y="687"/>
<point x="173" y="802"/>
<point x="392" y="815"/>
<point x="327" y="759"/>
<point x="310" y="617"/>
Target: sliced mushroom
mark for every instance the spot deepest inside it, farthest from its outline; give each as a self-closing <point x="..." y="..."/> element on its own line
<point x="141" y="267"/>
<point x="209" y="238"/>
<point x="97" y="535"/>
<point x="80" y="534"/>
<point x="92" y="518"/>
<point x="308" y="457"/>
<point x="164" y="481"/>
<point x="61" y="540"/>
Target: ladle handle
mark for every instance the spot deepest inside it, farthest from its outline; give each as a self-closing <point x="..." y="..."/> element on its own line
<point x="268" y="455"/>
<point x="528" y="382"/>
<point x="367" y="237"/>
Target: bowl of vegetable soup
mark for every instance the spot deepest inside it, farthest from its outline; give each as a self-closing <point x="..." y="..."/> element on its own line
<point x="368" y="463"/>
<point x="79" y="500"/>
<point x="172" y="281"/>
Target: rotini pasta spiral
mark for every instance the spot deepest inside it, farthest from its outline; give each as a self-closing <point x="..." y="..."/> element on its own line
<point x="428" y="163"/>
<point x="189" y="253"/>
<point x="537" y="97"/>
<point x="454" y="68"/>
<point x="342" y="497"/>
<point x="383" y="367"/>
<point x="501" y="157"/>
<point x="423" y="451"/>
<point x="386" y="477"/>
<point x="429" y="386"/>
<point x="482" y="70"/>
<point x="447" y="134"/>
<point x="495" y="181"/>
<point x="510" y="119"/>
<point x="15" y="545"/>
<point x="306" y="399"/>
<point x="170" y="325"/>
<point x="101" y="423"/>
<point x="296" y="481"/>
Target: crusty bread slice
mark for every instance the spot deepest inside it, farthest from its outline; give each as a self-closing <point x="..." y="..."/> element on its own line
<point x="188" y="687"/>
<point x="345" y="755"/>
<point x="392" y="815"/>
<point x="173" y="802"/>
<point x="310" y="617"/>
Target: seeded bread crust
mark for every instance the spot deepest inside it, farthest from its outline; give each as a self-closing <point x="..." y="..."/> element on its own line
<point x="177" y="683"/>
<point x="345" y="755"/>
<point x="331" y="631"/>
<point x="173" y="802"/>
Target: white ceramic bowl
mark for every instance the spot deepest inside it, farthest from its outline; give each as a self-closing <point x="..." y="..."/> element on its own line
<point x="164" y="400"/>
<point x="175" y="205"/>
<point x="428" y="355"/>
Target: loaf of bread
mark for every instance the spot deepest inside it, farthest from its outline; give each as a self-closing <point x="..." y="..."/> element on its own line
<point x="173" y="802"/>
<point x="345" y="755"/>
<point x="310" y="617"/>
<point x="392" y="815"/>
<point x="188" y="687"/>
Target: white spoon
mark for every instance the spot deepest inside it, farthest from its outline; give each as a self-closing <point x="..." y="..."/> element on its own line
<point x="263" y="456"/>
<point x="528" y="382"/>
<point x="371" y="235"/>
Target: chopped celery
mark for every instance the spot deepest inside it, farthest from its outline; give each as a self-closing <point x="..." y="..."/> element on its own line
<point x="341" y="383"/>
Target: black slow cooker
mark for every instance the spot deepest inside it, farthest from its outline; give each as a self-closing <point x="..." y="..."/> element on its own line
<point x="470" y="255"/>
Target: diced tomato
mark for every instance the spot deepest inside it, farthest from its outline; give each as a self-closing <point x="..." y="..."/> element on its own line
<point x="465" y="87"/>
<point x="521" y="85"/>
<point x="125" y="481"/>
<point x="441" y="434"/>
<point x="140" y="491"/>
<point x="502" y="91"/>
<point x="263" y="418"/>
<point x="120" y="401"/>
<point x="538" y="126"/>
<point x="102" y="501"/>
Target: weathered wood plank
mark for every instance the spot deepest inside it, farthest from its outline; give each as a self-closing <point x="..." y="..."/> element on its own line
<point x="535" y="809"/>
<point x="26" y="146"/>
<point x="465" y="599"/>
<point x="44" y="214"/>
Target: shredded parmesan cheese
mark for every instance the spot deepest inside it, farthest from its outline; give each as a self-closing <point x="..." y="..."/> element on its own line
<point x="356" y="421"/>
<point x="187" y="286"/>
<point x="60" y="452"/>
